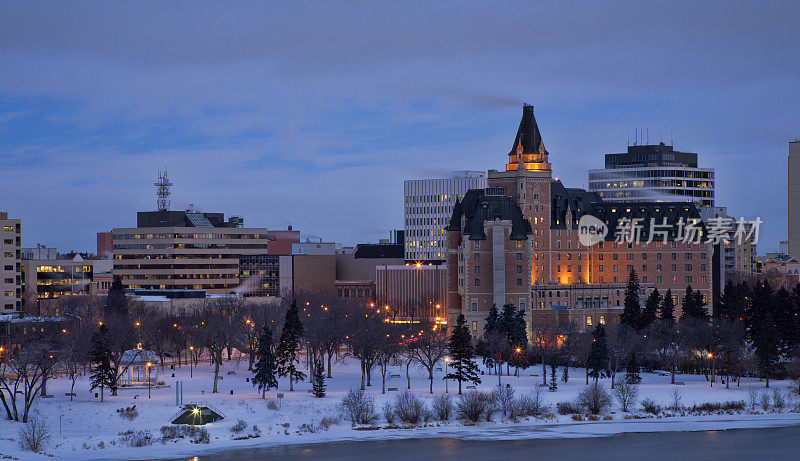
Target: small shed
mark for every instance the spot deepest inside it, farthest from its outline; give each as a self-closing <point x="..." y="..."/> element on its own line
<point x="197" y="415"/>
<point x="142" y="368"/>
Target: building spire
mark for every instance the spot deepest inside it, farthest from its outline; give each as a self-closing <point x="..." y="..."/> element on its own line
<point x="528" y="145"/>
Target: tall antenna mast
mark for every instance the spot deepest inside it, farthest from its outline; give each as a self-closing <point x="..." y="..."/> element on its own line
<point x="162" y="190"/>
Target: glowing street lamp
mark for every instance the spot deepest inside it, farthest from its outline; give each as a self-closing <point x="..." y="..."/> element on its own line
<point x="191" y="360"/>
<point x="149" y="364"/>
<point x="446" y="362"/>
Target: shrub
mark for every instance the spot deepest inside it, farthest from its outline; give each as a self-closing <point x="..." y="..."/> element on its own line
<point x="765" y="401"/>
<point x="359" y="407"/>
<point x="626" y="394"/>
<point x="532" y="404"/>
<point x="492" y="405"/>
<point x="649" y="406"/>
<point x="578" y="417"/>
<point x="327" y="422"/>
<point x="179" y="432"/>
<point x="595" y="417"/>
<point x="136" y="438"/>
<point x="201" y="436"/>
<point x="594" y="398"/>
<point x="505" y="399"/>
<point x="752" y="398"/>
<point x="442" y="407"/>
<point x="129" y="413"/>
<point x="272" y="405"/>
<point x="676" y="401"/>
<point x="471" y="406"/>
<point x="34" y="435"/>
<point x="566" y="408"/>
<point x="409" y="408"/>
<point x="239" y="426"/>
<point x="734" y="405"/>
<point x="388" y="412"/>
<point x="778" y="401"/>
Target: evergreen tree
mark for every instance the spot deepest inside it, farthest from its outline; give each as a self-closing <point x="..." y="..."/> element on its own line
<point x="462" y="355"/>
<point x="767" y="347"/>
<point x="650" y="311"/>
<point x="632" y="310"/>
<point x="289" y="346"/>
<point x="597" y="363"/>
<point x="632" y="370"/>
<point x="116" y="301"/>
<point x="553" y="377"/>
<point x="103" y="374"/>
<point x="693" y="306"/>
<point x="667" y="311"/>
<point x="492" y="321"/>
<point x="734" y="302"/>
<point x="264" y="368"/>
<point x="319" y="379"/>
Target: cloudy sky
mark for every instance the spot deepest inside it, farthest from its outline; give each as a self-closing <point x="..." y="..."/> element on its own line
<point x="313" y="113"/>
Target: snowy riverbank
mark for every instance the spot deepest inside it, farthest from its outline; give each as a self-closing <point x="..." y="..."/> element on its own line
<point x="88" y="429"/>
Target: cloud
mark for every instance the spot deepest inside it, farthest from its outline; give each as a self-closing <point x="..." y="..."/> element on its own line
<point x="316" y="112"/>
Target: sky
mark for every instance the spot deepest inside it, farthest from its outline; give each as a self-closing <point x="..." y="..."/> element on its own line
<point x="313" y="113"/>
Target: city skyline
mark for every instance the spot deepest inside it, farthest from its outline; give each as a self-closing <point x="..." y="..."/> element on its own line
<point x="315" y="137"/>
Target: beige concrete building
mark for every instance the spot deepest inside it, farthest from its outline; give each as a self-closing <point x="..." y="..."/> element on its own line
<point x="412" y="291"/>
<point x="54" y="278"/>
<point x="185" y="250"/>
<point x="794" y="198"/>
<point x="10" y="264"/>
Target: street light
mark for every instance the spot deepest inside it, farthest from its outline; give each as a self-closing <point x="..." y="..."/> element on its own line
<point x="149" y="364"/>
<point x="711" y="360"/>
<point x="446" y="361"/>
<point x="191" y="360"/>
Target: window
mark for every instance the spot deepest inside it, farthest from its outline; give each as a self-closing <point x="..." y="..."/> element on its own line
<point x="476" y="244"/>
<point x="588" y="320"/>
<point x="688" y="279"/>
<point x="615" y="256"/>
<point x="644" y="256"/>
<point x="519" y="269"/>
<point x="474" y="326"/>
<point x="602" y="320"/>
<point x="688" y="256"/>
<point x="519" y="282"/>
<point x="674" y="268"/>
<point x="477" y="256"/>
<point x="522" y="304"/>
<point x="519" y="256"/>
<point x="477" y="282"/>
<point x="688" y="268"/>
<point x="674" y="255"/>
<point x="474" y="306"/>
<point x="477" y="269"/>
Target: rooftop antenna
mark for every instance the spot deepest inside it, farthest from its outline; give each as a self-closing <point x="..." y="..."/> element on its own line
<point x="628" y="138"/>
<point x="162" y="190"/>
<point x="647" y="132"/>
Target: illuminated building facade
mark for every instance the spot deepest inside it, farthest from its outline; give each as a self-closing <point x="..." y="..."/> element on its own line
<point x="517" y="241"/>
<point x="653" y="173"/>
<point x="427" y="206"/>
<point x="10" y="264"/>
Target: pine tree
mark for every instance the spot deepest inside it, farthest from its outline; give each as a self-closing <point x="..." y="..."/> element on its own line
<point x="632" y="370"/>
<point x="319" y="380"/>
<point x="597" y="362"/>
<point x="462" y="355"/>
<point x="264" y="368"/>
<point x="767" y="347"/>
<point x="667" y="311"/>
<point x="650" y="311"/>
<point x="116" y="301"/>
<point x="492" y="321"/>
<point x="553" y="378"/>
<point x="103" y="374"/>
<point x="693" y="306"/>
<point x="632" y="310"/>
<point x="289" y="345"/>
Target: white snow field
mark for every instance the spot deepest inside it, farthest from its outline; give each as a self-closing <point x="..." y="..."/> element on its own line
<point x="89" y="429"/>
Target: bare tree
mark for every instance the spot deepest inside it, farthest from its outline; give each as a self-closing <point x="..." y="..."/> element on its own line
<point x="220" y="323"/>
<point x="663" y="339"/>
<point x="544" y="339"/>
<point x="430" y="348"/>
<point x="363" y="337"/>
<point x="621" y="341"/>
<point x="24" y="370"/>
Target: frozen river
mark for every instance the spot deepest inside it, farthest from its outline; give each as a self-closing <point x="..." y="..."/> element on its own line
<point x="781" y="443"/>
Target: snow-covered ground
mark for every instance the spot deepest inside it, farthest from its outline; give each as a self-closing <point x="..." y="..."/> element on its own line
<point x="88" y="429"/>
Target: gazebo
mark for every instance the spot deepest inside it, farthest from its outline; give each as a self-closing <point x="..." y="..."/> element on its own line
<point x="142" y="368"/>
